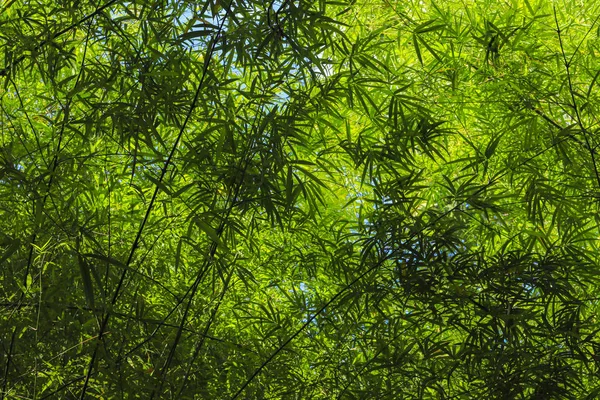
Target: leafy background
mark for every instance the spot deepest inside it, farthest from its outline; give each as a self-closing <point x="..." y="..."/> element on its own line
<point x="299" y="199"/>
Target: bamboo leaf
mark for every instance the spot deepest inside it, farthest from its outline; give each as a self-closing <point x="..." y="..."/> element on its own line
<point x="88" y="289"/>
<point x="209" y="230"/>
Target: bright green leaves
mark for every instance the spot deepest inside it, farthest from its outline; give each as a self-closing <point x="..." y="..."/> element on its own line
<point x="365" y="196"/>
<point x="417" y="36"/>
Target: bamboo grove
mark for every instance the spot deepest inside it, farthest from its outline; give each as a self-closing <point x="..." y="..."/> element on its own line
<point x="299" y="199"/>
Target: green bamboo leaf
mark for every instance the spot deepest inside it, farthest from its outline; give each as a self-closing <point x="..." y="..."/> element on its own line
<point x="424" y="25"/>
<point x="312" y="176"/>
<point x="209" y="230"/>
<point x="196" y="34"/>
<point x="491" y="147"/>
<point x="427" y="27"/>
<point x="289" y="185"/>
<point x="431" y="49"/>
<point x="178" y="254"/>
<point x="88" y="289"/>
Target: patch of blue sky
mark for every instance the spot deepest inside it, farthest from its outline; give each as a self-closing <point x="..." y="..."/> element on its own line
<point x="529" y="288"/>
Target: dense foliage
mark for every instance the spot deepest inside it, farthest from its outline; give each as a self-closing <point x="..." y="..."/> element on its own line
<point x="299" y="199"/>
